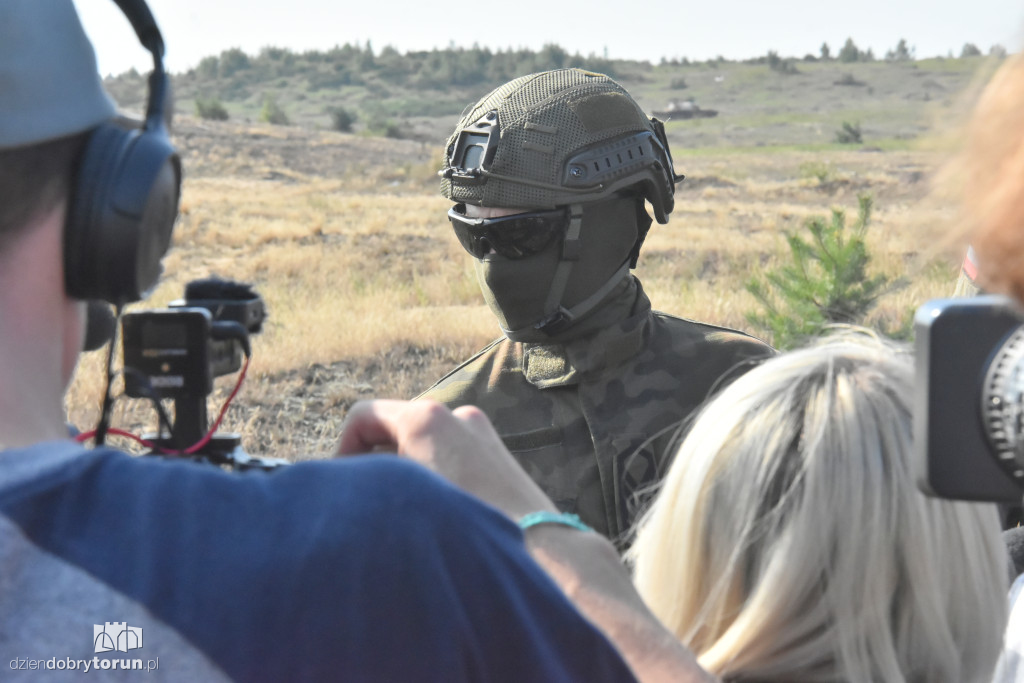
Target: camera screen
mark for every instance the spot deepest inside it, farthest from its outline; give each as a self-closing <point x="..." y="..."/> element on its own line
<point x="158" y="335"/>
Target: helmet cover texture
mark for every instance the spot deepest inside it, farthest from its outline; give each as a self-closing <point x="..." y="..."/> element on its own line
<point x="557" y="138"/>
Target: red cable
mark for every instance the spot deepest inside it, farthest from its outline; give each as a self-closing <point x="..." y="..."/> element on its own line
<point x="119" y="432"/>
<point x="194" y="447"/>
<point x="223" y="409"/>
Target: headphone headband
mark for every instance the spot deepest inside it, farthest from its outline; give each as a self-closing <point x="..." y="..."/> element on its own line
<point x="125" y="200"/>
<point x="145" y="26"/>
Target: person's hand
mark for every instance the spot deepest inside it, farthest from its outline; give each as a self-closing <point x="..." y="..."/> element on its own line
<point x="460" y="445"/>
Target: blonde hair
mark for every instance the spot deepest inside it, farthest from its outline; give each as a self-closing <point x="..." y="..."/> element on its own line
<point x="789" y="541"/>
<point x="993" y="175"/>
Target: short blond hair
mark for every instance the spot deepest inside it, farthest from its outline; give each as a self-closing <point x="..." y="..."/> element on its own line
<point x="993" y="173"/>
<point x="789" y="541"/>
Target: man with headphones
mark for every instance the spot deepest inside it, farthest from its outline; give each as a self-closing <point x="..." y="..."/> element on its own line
<point x="549" y="174"/>
<point x="366" y="568"/>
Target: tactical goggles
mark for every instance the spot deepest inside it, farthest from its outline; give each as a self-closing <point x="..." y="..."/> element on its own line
<point x="514" y="237"/>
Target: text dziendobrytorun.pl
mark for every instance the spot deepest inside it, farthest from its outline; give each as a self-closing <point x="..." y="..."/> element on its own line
<point x="84" y="665"/>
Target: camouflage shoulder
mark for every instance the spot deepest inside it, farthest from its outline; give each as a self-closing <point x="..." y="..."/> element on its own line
<point x="435" y="391"/>
<point x="719" y="333"/>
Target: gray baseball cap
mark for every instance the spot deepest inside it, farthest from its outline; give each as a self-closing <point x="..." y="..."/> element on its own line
<point x="49" y="83"/>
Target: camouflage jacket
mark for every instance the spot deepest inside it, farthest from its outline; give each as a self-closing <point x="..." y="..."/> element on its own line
<point x="592" y="419"/>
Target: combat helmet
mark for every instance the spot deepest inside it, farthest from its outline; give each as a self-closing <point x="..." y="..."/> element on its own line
<point x="558" y="138"/>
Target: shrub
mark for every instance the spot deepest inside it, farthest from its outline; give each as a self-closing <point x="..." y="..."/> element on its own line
<point x="849" y="52"/>
<point x="272" y="112"/>
<point x="231" y="62"/>
<point x="970" y="50"/>
<point x="780" y="65"/>
<point x="901" y="53"/>
<point x="211" y="109"/>
<point x="678" y="83"/>
<point x="847" y="79"/>
<point x="380" y="124"/>
<point x="334" y="78"/>
<point x="825" y="283"/>
<point x="208" y="68"/>
<point x="341" y="119"/>
<point x="849" y="134"/>
<point x="819" y="170"/>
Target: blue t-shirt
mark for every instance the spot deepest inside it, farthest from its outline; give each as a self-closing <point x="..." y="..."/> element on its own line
<point x="363" y="569"/>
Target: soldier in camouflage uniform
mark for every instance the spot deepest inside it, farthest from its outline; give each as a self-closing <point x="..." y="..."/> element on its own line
<point x="549" y="174"/>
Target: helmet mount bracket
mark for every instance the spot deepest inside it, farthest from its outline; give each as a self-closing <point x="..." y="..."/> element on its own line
<point x="473" y="151"/>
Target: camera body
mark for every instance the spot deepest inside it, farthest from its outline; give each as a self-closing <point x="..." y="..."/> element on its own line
<point x="177" y="352"/>
<point x="969" y="402"/>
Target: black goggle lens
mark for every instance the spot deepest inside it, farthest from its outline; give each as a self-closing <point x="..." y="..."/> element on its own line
<point x="515" y="237"/>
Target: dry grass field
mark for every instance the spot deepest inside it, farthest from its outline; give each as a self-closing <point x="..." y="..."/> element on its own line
<point x="370" y="295"/>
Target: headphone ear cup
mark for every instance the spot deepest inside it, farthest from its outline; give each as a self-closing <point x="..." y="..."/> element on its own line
<point x="93" y="178"/>
<point x="121" y="214"/>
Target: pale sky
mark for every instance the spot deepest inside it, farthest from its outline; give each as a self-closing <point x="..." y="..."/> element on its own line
<point x="622" y="29"/>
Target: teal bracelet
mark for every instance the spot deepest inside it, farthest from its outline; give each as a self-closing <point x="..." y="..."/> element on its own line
<point x="545" y="517"/>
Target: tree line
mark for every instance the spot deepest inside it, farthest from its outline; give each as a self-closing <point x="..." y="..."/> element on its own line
<point x="360" y="65"/>
<point x="847" y="54"/>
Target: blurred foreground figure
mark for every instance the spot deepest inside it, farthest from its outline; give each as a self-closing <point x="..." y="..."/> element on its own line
<point x="370" y="569"/>
<point x="994" y="201"/>
<point x="789" y="541"/>
<point x="994" y="182"/>
<point x="550" y="174"/>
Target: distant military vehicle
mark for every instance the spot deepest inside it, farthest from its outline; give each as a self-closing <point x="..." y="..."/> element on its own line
<point x="683" y="109"/>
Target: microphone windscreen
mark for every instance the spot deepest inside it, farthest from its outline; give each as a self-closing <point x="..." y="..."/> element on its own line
<point x="99" y="326"/>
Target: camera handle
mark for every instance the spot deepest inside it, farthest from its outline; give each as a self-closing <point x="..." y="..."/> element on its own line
<point x="223" y="449"/>
<point x="191" y="419"/>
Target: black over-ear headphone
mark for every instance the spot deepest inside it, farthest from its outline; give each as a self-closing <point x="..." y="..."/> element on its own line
<point x="125" y="196"/>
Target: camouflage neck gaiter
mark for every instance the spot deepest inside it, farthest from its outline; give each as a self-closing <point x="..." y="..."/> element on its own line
<point x="516" y="290"/>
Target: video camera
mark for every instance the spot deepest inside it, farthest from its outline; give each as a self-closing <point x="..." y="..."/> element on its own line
<point x="969" y="403"/>
<point x="176" y="352"/>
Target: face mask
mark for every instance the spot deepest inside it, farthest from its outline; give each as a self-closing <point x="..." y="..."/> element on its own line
<point x="516" y="290"/>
